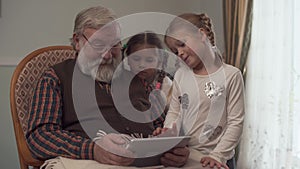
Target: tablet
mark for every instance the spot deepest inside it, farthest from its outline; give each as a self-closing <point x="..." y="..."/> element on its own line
<point x="148" y="151"/>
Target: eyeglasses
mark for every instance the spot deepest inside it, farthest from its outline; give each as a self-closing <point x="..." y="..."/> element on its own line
<point x="101" y="47"/>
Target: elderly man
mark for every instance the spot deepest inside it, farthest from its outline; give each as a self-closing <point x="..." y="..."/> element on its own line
<point x="63" y="120"/>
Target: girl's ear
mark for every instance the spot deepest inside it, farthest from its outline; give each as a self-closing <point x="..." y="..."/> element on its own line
<point x="76" y="42"/>
<point x="203" y="34"/>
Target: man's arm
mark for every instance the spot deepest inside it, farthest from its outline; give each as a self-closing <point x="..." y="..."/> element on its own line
<point x="45" y="136"/>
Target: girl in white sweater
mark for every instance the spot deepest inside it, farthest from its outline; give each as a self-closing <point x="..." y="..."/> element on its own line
<point x="207" y="100"/>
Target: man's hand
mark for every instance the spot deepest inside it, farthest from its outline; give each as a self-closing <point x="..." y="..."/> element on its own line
<point x="212" y="163"/>
<point x="176" y="157"/>
<point x="110" y="150"/>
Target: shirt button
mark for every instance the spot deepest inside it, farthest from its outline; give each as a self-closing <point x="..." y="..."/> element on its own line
<point x="127" y="128"/>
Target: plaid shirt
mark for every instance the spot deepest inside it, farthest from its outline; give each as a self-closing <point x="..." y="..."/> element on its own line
<point x="45" y="136"/>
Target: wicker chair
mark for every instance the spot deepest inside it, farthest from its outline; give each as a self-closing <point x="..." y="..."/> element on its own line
<point x="23" y="83"/>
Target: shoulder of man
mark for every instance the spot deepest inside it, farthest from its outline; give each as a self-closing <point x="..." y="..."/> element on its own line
<point x="65" y="68"/>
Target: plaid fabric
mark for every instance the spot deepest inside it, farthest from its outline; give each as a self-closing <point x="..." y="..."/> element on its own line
<point x="30" y="75"/>
<point x="158" y="105"/>
<point x="45" y="135"/>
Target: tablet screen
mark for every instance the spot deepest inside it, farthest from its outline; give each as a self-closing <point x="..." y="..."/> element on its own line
<point x="148" y="151"/>
<point x="147" y="147"/>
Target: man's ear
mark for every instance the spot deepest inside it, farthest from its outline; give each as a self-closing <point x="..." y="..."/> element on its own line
<point x="203" y="34"/>
<point x="76" y="42"/>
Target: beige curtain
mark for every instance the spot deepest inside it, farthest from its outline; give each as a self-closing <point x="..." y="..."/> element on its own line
<point x="237" y="30"/>
<point x="271" y="137"/>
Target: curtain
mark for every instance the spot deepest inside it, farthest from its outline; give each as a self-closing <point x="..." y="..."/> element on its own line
<point x="271" y="137"/>
<point x="237" y="31"/>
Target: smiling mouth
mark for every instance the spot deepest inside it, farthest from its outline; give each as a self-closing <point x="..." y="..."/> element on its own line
<point x="185" y="59"/>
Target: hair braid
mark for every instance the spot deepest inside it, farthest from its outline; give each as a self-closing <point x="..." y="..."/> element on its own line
<point x="201" y="21"/>
<point x="206" y="23"/>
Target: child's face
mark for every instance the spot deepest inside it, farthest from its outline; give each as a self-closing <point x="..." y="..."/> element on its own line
<point x="143" y="61"/>
<point x="184" y="46"/>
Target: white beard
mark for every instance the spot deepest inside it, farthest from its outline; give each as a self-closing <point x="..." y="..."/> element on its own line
<point x="102" y="72"/>
<point x="105" y="73"/>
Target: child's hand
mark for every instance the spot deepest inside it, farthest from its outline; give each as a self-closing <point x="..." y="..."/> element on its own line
<point x="166" y="132"/>
<point x="212" y="162"/>
<point x="159" y="131"/>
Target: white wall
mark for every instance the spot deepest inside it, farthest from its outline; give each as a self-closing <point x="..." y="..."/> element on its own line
<point x="31" y="24"/>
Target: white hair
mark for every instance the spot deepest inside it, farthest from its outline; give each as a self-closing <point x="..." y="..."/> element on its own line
<point x="94" y="18"/>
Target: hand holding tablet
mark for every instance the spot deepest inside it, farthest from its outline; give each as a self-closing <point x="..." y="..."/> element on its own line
<point x="148" y="151"/>
<point x="147" y="147"/>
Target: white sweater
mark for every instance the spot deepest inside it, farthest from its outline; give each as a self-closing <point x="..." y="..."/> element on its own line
<point x="210" y="108"/>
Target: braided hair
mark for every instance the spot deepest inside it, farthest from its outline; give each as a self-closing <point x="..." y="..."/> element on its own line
<point x="201" y="21"/>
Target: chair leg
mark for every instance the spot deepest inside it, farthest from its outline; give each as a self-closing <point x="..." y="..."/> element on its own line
<point x="22" y="164"/>
<point x="231" y="163"/>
